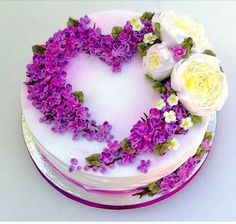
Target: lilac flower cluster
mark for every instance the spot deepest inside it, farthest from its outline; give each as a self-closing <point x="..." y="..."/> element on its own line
<point x="47" y="87"/>
<point x="169" y="182"/>
<point x="184" y="171"/>
<point x="74" y="164"/>
<point x="153" y="129"/>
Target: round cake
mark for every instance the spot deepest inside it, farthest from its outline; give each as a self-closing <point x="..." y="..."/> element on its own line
<point x="119" y="107"/>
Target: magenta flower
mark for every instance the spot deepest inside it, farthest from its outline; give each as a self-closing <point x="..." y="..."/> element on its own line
<point x="106" y="156"/>
<point x="127" y="158"/>
<point x="179" y="52"/>
<point x="144" y="165"/>
<point x="113" y="146"/>
<point x="206" y="145"/>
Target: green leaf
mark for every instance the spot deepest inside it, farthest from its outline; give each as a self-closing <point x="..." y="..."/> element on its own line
<point x="147" y="76"/>
<point x="196" y="119"/>
<point x="209" y="52"/>
<point x="93" y="159"/>
<point x="126" y="146"/>
<point x="157" y="32"/>
<point x="153" y="187"/>
<point x="208" y="135"/>
<point x="116" y="30"/>
<point x="147" y="15"/>
<point x="158" y="86"/>
<point x="142" y="49"/>
<point x="72" y="22"/>
<point x="187" y="44"/>
<point x="200" y="151"/>
<point x="161" y="149"/>
<point x="38" y="49"/>
<point x="79" y="95"/>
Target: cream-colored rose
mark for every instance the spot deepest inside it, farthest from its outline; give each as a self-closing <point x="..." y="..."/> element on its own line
<point x="158" y="62"/>
<point x="175" y="28"/>
<point x="200" y="84"/>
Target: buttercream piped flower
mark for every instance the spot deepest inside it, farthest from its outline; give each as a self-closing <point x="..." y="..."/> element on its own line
<point x="186" y="123"/>
<point x="173" y="144"/>
<point x="200" y="84"/>
<point x="149" y="38"/>
<point x="179" y="52"/>
<point x="176" y="27"/>
<point x="170" y="116"/>
<point x="158" y="62"/>
<point x="136" y="23"/>
<point x="172" y="100"/>
<point x="160" y="104"/>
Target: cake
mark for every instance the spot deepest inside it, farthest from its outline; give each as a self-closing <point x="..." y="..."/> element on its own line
<point x="152" y="84"/>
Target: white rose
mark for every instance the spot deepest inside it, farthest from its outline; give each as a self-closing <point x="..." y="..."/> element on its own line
<point x="175" y="28"/>
<point x="158" y="62"/>
<point x="200" y="84"/>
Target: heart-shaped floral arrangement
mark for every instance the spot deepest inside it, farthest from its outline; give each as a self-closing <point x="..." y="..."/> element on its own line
<point x="179" y="63"/>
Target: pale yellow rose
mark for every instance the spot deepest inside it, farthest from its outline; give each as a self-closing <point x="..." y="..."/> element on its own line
<point x="158" y="62"/>
<point x="176" y="27"/>
<point x="200" y="84"/>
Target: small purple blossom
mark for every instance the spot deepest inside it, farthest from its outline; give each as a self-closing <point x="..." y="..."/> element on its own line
<point x="144" y="165"/>
<point x="78" y="167"/>
<point x="167" y="183"/>
<point x="74" y="161"/>
<point x="86" y="168"/>
<point x="206" y="145"/>
<point x="106" y="156"/>
<point x="71" y="168"/>
<point x="95" y="168"/>
<point x="127" y="158"/>
<point x="113" y="146"/>
<point x="103" y="169"/>
<point x="179" y="52"/>
<point x="185" y="170"/>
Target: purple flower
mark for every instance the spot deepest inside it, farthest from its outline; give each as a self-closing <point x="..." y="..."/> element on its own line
<point x="106" y="156"/>
<point x="171" y="128"/>
<point x="186" y="169"/>
<point x="144" y="165"/>
<point x="74" y="161"/>
<point x="113" y="146"/>
<point x="84" y="21"/>
<point x="206" y="145"/>
<point x="179" y="52"/>
<point x="71" y="168"/>
<point x="180" y="111"/>
<point x="167" y="183"/>
<point x="127" y="158"/>
<point x="86" y="168"/>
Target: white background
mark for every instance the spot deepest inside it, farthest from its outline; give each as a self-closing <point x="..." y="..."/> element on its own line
<point x="24" y="194"/>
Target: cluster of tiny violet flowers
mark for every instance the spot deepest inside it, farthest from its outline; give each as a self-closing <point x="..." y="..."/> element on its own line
<point x="74" y="165"/>
<point x="161" y="124"/>
<point x="179" y="52"/>
<point x="179" y="176"/>
<point x="46" y="76"/>
<point x="184" y="171"/>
